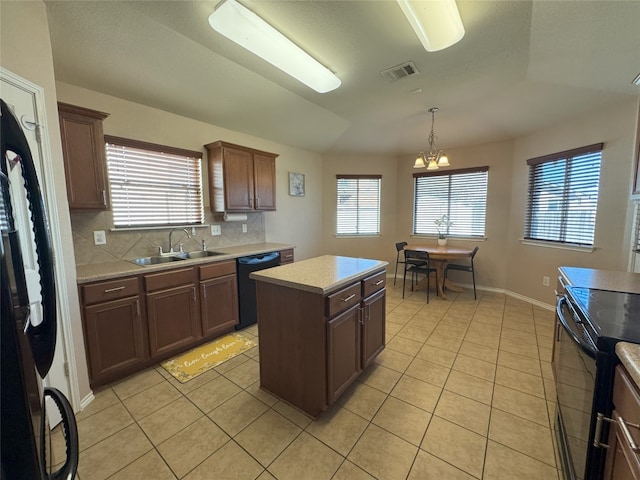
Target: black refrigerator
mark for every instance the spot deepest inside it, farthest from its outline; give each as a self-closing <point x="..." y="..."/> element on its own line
<point x="27" y="349"/>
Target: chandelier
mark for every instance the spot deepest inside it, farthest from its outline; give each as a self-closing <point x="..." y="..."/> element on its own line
<point x="435" y="158"/>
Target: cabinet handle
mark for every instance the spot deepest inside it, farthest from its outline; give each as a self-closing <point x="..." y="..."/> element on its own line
<point x="104" y="198"/>
<point x="624" y="426"/>
<point x="257" y="202"/>
<point x="250" y="202"/>
<point x="361" y="319"/>
<point x="349" y="297"/>
<point x="138" y="307"/>
<point x="289" y="256"/>
<point x="379" y="282"/>
<point x="114" y="289"/>
<point x="204" y="292"/>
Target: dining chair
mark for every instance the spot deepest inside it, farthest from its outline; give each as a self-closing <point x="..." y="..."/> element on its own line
<point x="399" y="248"/>
<point x="462" y="268"/>
<point x="416" y="263"/>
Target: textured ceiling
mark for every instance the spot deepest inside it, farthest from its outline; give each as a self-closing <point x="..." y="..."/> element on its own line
<point x="520" y="67"/>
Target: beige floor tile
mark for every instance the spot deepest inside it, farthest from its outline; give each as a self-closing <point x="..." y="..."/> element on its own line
<point x="546" y="353"/>
<point x="469" y="386"/>
<point x="428" y="467"/>
<point x="394" y="360"/>
<point x="292" y="414"/>
<point x="524" y="382"/>
<point x="445" y="342"/>
<point x="362" y="400"/>
<point x="231" y="364"/>
<point x="194" y="383"/>
<point x="404" y="345"/>
<point x="189" y="447"/>
<point x="213" y="394"/>
<point x="169" y="420"/>
<point x="519" y="334"/>
<point x="413" y="333"/>
<point x="306" y="458"/>
<point x="503" y="463"/>
<point x="447" y="327"/>
<point x="244" y="374"/>
<point x="484" y="339"/>
<point x="375" y="447"/>
<point x="379" y="377"/>
<point x="267" y="437"/>
<point x="417" y="393"/>
<point x="150" y="400"/>
<point x="113" y="453"/>
<point x="520" y="404"/>
<point x="266" y="476"/>
<point x="473" y="366"/>
<point x="229" y="463"/>
<point x="137" y="383"/>
<point x="428" y="372"/>
<point x="103" y="424"/>
<point x="262" y="395"/>
<point x="339" y="428"/>
<point x="102" y="399"/>
<point x="464" y="411"/>
<point x="522" y="435"/>
<point x="455" y="445"/>
<point x="549" y="389"/>
<point x="403" y="420"/>
<point x="479" y="352"/>
<point x="519" y="362"/>
<point x="392" y="327"/>
<point x="350" y="471"/>
<point x="150" y="465"/>
<point x="237" y="412"/>
<point x="439" y="356"/>
<point x="513" y="346"/>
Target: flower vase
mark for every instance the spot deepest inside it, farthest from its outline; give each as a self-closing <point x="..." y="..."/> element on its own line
<point x="442" y="242"/>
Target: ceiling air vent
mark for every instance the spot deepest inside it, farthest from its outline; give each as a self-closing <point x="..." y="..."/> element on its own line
<point x="400" y="71"/>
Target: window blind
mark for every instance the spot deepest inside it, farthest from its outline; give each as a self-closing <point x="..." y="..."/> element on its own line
<point x="563" y="196"/>
<point x="153" y="185"/>
<point x="358" y="204"/>
<point x="636" y="244"/>
<point x="460" y="194"/>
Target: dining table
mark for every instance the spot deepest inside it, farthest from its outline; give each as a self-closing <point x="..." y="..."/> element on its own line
<point x="441" y="255"/>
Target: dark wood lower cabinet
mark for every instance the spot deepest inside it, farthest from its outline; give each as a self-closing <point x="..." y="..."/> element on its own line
<point x="373" y="327"/>
<point x="343" y="351"/>
<point x="219" y="305"/>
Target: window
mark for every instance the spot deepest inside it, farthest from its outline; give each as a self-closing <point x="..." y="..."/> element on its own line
<point x="358" y="204"/>
<point x="460" y="194"/>
<point x="563" y="196"/>
<point x="153" y="185"/>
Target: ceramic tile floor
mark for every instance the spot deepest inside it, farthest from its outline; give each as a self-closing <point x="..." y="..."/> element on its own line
<point x="463" y="390"/>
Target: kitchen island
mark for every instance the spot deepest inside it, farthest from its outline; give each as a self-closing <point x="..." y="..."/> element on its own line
<point x="321" y="322"/>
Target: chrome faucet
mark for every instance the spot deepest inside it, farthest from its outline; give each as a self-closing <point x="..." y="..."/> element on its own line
<point x="171" y="243"/>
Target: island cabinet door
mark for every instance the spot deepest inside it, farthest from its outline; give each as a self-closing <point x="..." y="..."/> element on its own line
<point x="373" y="326"/>
<point x="218" y="305"/>
<point x="343" y="343"/>
<point x="173" y="319"/>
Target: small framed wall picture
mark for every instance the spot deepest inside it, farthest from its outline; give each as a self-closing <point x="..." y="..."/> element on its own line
<point x="296" y="184"/>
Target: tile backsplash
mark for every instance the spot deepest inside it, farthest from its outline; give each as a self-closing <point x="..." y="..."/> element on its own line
<point x="130" y="244"/>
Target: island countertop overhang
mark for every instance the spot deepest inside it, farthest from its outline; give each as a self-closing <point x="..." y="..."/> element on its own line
<point x="321" y="275"/>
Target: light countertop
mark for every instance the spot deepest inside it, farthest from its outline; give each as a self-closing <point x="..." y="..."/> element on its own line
<point x="320" y="274"/>
<point x="629" y="355"/>
<point x="122" y="268"/>
<point x="602" y="279"/>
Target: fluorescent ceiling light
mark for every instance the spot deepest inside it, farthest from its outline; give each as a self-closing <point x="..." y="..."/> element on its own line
<point x="437" y="23"/>
<point x="251" y="32"/>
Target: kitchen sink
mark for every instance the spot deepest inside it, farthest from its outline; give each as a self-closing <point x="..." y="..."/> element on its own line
<point x="158" y="259"/>
<point x="203" y="253"/>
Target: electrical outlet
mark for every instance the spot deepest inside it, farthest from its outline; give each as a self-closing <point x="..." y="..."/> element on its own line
<point x="99" y="237"/>
<point x="545" y="281"/>
<point x="215" y="230"/>
<point x="244" y="228"/>
<point x="193" y="231"/>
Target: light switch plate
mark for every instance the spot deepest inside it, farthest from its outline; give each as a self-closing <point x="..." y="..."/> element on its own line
<point x="99" y="237"/>
<point x="215" y="230"/>
<point x="244" y="228"/>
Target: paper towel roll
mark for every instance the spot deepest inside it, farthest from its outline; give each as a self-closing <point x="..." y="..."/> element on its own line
<point x="235" y="217"/>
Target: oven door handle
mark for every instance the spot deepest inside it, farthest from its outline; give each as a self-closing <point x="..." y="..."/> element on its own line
<point x="587" y="348"/>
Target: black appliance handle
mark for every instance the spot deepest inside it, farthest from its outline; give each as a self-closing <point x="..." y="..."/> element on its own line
<point x="588" y="349"/>
<point x="43" y="336"/>
<point x="70" y="466"/>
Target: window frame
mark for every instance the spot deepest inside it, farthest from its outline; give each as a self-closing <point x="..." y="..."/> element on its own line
<point x="193" y="169"/>
<point x="446" y="209"/>
<point x="358" y="177"/>
<point x="573" y="159"/>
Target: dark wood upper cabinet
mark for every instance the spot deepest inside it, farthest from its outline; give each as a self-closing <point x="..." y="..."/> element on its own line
<point x="241" y="179"/>
<point x="84" y="157"/>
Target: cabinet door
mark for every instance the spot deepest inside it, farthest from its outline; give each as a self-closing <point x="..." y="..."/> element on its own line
<point x="264" y="168"/>
<point x="238" y="179"/>
<point x="343" y="347"/>
<point x="173" y="319"/>
<point x="622" y="463"/>
<point x="84" y="157"/>
<point x="219" y="305"/>
<point x="373" y="327"/>
<point x="115" y="338"/>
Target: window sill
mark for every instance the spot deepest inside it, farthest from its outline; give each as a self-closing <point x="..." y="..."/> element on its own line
<point x="560" y="246"/>
<point x="364" y="235"/>
<point x="165" y="227"/>
<point x="464" y="239"/>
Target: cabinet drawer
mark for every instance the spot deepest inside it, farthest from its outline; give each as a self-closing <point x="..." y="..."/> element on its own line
<point x="374" y="283"/>
<point x="217" y="270"/>
<point x="174" y="278"/>
<point x="111" y="290"/>
<point x="343" y="299"/>
<point x="286" y="256"/>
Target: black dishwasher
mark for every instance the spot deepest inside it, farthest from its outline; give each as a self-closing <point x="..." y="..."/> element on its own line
<point x="247" y="286"/>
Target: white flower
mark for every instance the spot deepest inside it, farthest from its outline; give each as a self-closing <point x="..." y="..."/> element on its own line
<point x="442" y="225"/>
